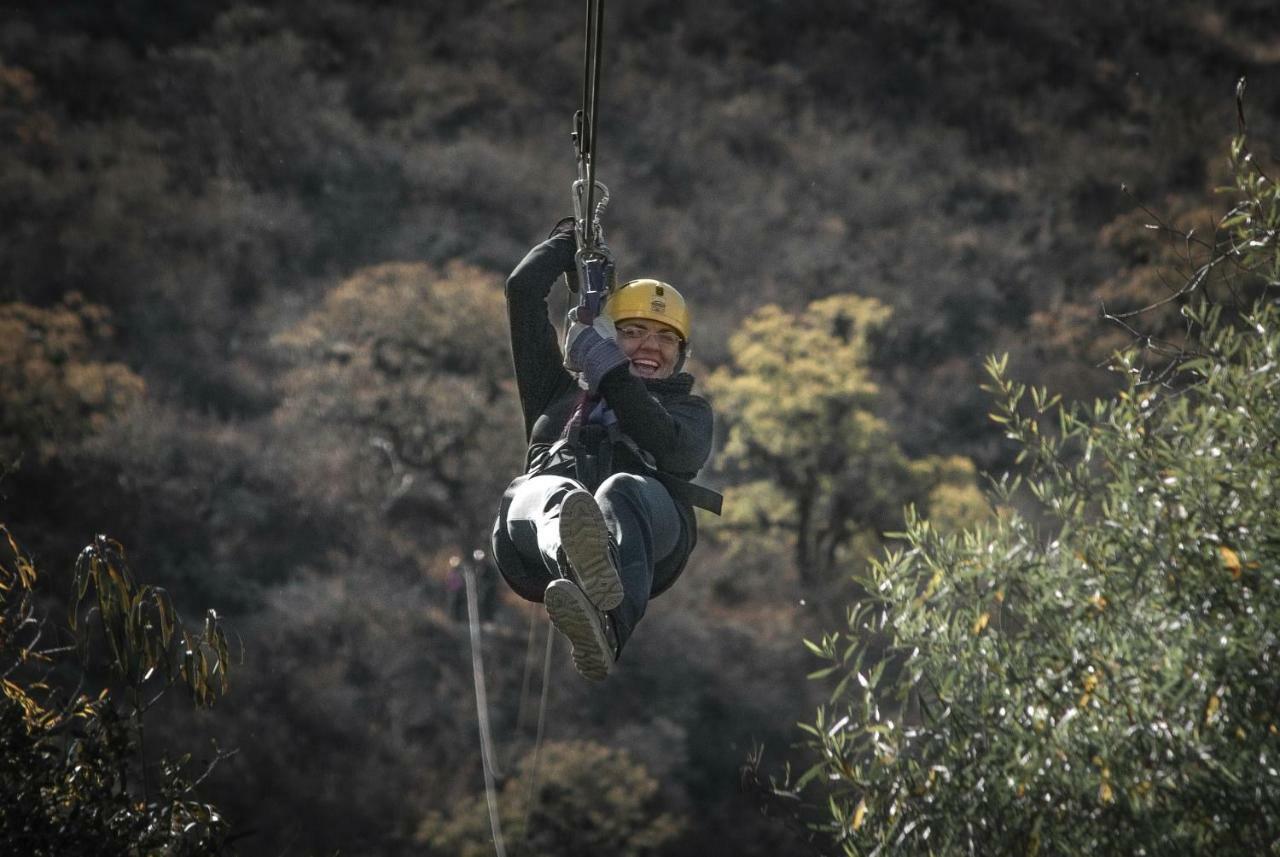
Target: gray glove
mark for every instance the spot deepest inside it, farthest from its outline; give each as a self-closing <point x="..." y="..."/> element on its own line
<point x="603" y="326"/>
<point x="592" y="350"/>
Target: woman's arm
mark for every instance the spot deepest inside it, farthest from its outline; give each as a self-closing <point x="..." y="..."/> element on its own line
<point x="535" y="350"/>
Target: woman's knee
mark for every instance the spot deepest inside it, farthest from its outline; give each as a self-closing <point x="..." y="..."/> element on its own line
<point x="531" y="500"/>
<point x="629" y="485"/>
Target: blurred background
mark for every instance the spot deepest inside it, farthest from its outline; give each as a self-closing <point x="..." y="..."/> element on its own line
<point x="251" y="325"/>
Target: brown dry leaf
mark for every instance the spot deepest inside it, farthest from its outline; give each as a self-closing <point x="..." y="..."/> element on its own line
<point x="1231" y="560"/>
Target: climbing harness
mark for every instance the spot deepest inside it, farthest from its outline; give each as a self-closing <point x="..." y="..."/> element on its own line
<point x="593" y="261"/>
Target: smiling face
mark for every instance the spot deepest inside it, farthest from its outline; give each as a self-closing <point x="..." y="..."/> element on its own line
<point x="652" y="347"/>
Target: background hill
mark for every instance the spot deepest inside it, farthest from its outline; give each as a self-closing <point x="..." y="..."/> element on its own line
<point x="250" y="287"/>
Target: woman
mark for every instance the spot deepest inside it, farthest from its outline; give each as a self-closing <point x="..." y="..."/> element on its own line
<point x="602" y="519"/>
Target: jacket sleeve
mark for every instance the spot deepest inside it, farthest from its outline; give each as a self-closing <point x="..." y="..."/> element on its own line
<point x="677" y="435"/>
<point x="535" y="348"/>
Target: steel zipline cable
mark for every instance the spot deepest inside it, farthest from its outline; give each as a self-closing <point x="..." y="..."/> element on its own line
<point x="593" y="264"/>
<point x="585" y="132"/>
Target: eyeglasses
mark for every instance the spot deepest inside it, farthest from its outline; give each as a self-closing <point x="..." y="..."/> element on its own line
<point x="667" y="339"/>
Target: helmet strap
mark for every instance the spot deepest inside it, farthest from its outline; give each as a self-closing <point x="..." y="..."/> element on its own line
<point x="684" y="355"/>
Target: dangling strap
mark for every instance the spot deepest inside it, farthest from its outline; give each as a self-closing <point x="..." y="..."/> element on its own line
<point x="580" y="410"/>
<point x="591" y="432"/>
<point x="683" y="489"/>
<point x="590" y="410"/>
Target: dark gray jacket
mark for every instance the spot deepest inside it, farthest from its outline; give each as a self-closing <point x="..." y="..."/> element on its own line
<point x="666" y="430"/>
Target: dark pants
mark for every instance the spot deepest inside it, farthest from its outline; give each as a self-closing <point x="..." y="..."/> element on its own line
<point x="638" y="511"/>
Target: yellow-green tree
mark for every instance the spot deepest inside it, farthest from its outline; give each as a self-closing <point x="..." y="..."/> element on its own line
<point x="589" y="799"/>
<point x="812" y="459"/>
<point x="57" y="386"/>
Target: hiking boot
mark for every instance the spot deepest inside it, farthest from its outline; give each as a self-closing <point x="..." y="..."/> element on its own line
<point x="588" y="547"/>
<point x="583" y="625"/>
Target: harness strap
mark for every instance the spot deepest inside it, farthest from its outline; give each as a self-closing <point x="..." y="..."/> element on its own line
<point x="591" y="433"/>
<point x="591" y="443"/>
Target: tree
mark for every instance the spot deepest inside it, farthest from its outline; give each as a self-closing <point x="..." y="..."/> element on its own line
<point x="814" y="461"/>
<point x="57" y="386"/>
<point x="589" y="800"/>
<point x="75" y="774"/>
<point x="1166" y="258"/>
<point x="1097" y="675"/>
<point x="400" y="389"/>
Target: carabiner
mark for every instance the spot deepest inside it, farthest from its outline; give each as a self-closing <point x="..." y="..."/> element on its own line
<point x="596" y="275"/>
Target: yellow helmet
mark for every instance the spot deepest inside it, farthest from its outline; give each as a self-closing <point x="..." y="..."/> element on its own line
<point x="651" y="299"/>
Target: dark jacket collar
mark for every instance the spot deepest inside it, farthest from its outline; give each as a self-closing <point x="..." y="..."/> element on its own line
<point x="680" y="384"/>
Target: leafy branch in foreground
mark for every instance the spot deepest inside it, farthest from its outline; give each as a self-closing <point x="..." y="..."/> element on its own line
<point x="74" y="772"/>
<point x="1098" y="673"/>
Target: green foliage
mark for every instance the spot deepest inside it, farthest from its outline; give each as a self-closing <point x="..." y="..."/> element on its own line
<point x="953" y="499"/>
<point x="589" y="800"/>
<point x="802" y="389"/>
<point x="212" y="172"/>
<point x="74" y="774"/>
<point x="813" y="460"/>
<point x="144" y="635"/>
<point x="1254" y="221"/>
<point x="1100" y="677"/>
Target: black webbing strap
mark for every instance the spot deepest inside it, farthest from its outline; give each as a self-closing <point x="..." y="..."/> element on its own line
<point x="592" y="449"/>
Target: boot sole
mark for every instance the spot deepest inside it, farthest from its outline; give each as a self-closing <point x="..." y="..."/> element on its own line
<point x="584" y="536"/>
<point x="574" y="617"/>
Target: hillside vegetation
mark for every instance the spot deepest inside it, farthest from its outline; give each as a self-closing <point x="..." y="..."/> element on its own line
<point x="251" y="326"/>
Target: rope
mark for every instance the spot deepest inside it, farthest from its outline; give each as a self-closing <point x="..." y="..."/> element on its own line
<point x="530" y="793"/>
<point x="487" y="756"/>
<point x="522" y="712"/>
<point x="482" y="711"/>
